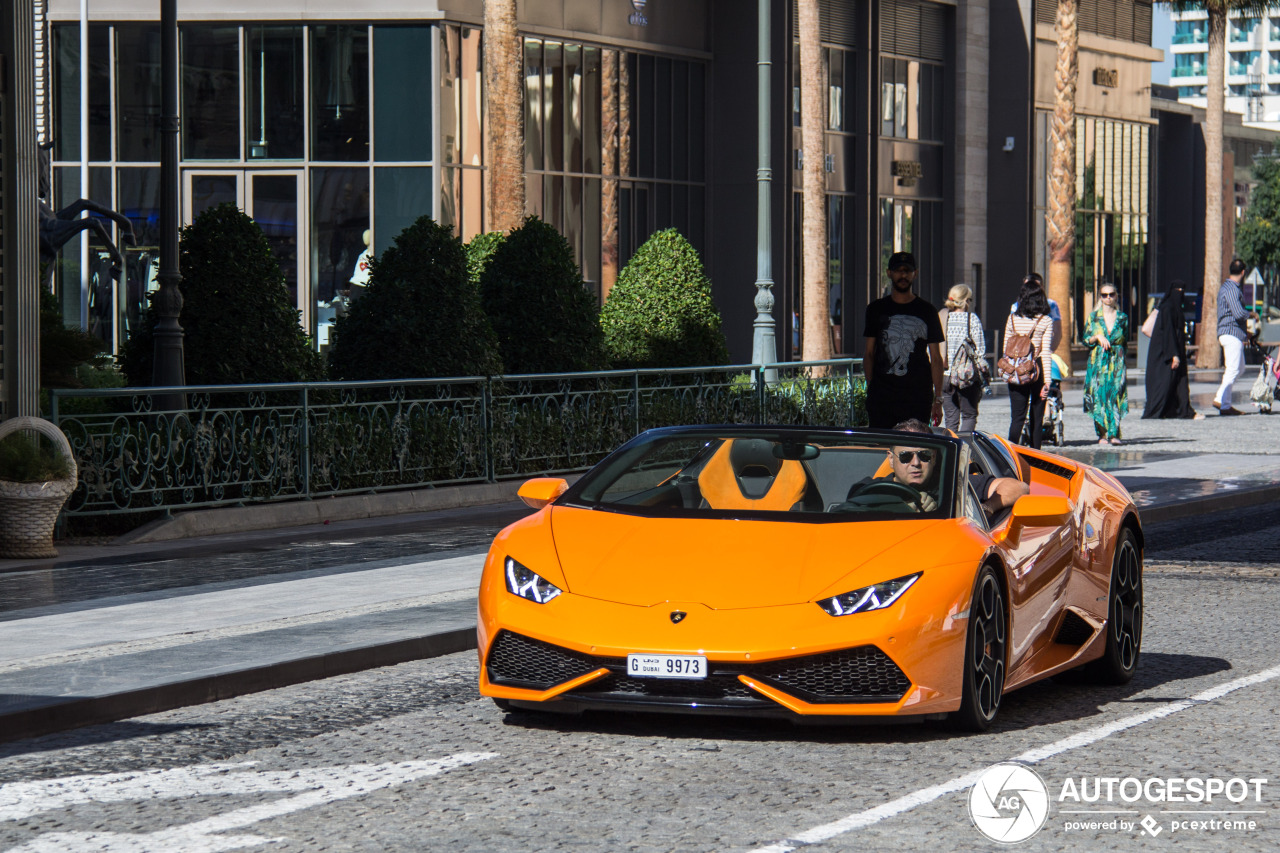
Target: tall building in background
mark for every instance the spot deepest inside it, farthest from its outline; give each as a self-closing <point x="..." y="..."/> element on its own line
<point x="1253" y="64"/>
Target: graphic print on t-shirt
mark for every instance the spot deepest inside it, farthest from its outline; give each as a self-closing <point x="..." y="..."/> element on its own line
<point x="898" y="342"/>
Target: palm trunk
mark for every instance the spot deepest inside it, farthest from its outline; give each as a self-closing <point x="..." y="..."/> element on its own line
<point x="1062" y="173"/>
<point x="504" y="127"/>
<point x="1208" y="354"/>
<point x="816" y="340"/>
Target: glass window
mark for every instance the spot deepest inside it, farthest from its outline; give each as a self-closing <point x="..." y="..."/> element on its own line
<point x="533" y="107"/>
<point x="680" y="122"/>
<point x="572" y="108"/>
<point x="138" y="92"/>
<point x="553" y="106"/>
<point x="65" y="46"/>
<point x="138" y="190"/>
<point x="591" y="106"/>
<point x="697" y="128"/>
<point x="471" y="97"/>
<point x="662" y="118"/>
<point x="642" y="115"/>
<point x="402" y="93"/>
<point x="275" y="89"/>
<point x="401" y="195"/>
<point x="339" y="93"/>
<point x="211" y="93"/>
<point x="339" y="235"/>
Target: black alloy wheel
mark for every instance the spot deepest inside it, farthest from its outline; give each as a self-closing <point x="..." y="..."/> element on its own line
<point x="986" y="646"/>
<point x="1119" y="660"/>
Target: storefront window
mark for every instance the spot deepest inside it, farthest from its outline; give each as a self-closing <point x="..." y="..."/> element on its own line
<point x="211" y="93"/>
<point x="138" y="92"/>
<point x="339" y="228"/>
<point x="274" y="93"/>
<point x="401" y="195"/>
<point x="911" y="97"/>
<point x="339" y="93"/>
<point x="402" y="92"/>
<point x="65" y="44"/>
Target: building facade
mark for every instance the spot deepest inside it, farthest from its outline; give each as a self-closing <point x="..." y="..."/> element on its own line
<point x="1252" y="63"/>
<point x="334" y="125"/>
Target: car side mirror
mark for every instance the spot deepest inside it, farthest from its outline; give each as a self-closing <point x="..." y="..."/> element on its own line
<point x="541" y="491"/>
<point x="1037" y="511"/>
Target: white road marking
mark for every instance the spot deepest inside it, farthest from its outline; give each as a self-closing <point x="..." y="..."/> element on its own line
<point x="860" y="820"/>
<point x="317" y="786"/>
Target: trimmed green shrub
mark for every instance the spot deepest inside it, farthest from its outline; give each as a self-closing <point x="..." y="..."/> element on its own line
<point x="480" y="250"/>
<point x="239" y="322"/>
<point x="545" y="319"/>
<point x="64" y="352"/>
<point x="420" y="315"/>
<point x="660" y="312"/>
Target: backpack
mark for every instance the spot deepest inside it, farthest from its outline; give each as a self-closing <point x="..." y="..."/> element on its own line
<point x="1020" y="364"/>
<point x="964" y="368"/>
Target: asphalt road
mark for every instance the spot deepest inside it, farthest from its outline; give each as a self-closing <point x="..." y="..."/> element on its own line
<point x="411" y="758"/>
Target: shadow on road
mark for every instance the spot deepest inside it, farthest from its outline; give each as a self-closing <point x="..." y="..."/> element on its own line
<point x="1044" y="703"/>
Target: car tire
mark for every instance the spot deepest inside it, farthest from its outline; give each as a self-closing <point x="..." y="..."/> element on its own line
<point x="985" y="648"/>
<point x="1119" y="659"/>
<point x="504" y="705"/>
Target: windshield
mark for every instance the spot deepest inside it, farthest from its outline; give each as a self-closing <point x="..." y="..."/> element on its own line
<point x="793" y="475"/>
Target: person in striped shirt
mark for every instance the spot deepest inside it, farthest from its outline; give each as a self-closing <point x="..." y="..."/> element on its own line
<point x="1031" y="319"/>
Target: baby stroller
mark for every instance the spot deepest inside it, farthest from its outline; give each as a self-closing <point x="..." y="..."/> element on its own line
<point x="1053" y="426"/>
<point x="1264" y="387"/>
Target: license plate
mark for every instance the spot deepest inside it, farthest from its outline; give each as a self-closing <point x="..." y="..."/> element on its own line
<point x="666" y="666"/>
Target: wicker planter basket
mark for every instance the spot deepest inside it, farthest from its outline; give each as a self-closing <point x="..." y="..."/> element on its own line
<point x="28" y="510"/>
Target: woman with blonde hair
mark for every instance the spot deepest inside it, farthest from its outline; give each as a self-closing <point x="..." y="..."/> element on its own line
<point x="961" y="393"/>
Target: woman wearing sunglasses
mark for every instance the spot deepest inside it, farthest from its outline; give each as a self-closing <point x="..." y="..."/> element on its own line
<point x="1107" y="332"/>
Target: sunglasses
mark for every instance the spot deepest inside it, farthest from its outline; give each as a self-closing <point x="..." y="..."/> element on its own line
<point x="905" y="456"/>
<point x="1109" y="294"/>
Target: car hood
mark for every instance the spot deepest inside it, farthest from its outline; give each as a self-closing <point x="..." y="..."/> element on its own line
<point x="723" y="564"/>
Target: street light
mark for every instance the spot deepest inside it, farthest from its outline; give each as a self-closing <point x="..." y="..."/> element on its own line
<point x="167" y="367"/>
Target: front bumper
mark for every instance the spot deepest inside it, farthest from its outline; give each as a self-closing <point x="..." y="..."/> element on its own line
<point x="790" y="660"/>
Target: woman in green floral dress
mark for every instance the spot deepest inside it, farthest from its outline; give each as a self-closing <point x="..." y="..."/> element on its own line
<point x="1106" y="333"/>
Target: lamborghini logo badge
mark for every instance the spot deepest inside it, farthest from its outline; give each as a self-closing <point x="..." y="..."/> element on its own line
<point x="677" y="616"/>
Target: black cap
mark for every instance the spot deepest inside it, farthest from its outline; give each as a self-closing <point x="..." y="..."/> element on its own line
<point x="901" y="259"/>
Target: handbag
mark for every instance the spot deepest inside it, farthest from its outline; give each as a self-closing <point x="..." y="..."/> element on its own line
<point x="965" y="371"/>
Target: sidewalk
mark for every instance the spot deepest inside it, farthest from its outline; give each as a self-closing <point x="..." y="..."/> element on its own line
<point x="110" y="632"/>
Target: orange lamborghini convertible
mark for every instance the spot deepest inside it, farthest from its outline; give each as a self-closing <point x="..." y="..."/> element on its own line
<point x="802" y="572"/>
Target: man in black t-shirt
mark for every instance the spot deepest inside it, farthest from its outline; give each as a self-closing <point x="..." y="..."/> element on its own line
<point x="903" y="362"/>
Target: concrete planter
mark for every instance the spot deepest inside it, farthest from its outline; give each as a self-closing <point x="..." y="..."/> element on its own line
<point x="28" y="511"/>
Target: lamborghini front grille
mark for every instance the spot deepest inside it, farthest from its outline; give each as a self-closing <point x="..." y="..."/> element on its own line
<point x="519" y="661"/>
<point x="862" y="674"/>
<point x="713" y="687"/>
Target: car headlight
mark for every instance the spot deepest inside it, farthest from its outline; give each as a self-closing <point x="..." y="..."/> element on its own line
<point x="524" y="582"/>
<point x="874" y="597"/>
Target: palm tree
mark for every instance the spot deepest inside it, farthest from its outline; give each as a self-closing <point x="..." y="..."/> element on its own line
<point x="504" y="125"/>
<point x="816" y="338"/>
<point x="1061" y="218"/>
<point x="1215" y="262"/>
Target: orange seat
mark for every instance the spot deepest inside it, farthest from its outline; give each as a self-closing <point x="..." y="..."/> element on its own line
<point x="743" y="473"/>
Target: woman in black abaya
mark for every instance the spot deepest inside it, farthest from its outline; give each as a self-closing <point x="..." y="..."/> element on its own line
<point x="1168" y="395"/>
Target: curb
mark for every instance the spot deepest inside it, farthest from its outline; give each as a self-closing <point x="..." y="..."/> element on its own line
<point x="92" y="710"/>
<point x="1209" y="503"/>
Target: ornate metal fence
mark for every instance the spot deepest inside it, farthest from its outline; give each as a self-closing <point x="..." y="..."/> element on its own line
<point x="200" y="446"/>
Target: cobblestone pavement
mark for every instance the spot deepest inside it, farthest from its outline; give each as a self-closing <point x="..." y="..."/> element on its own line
<point x="411" y="758"/>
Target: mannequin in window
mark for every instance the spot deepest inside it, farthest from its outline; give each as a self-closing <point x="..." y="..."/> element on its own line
<point x="360" y="276"/>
